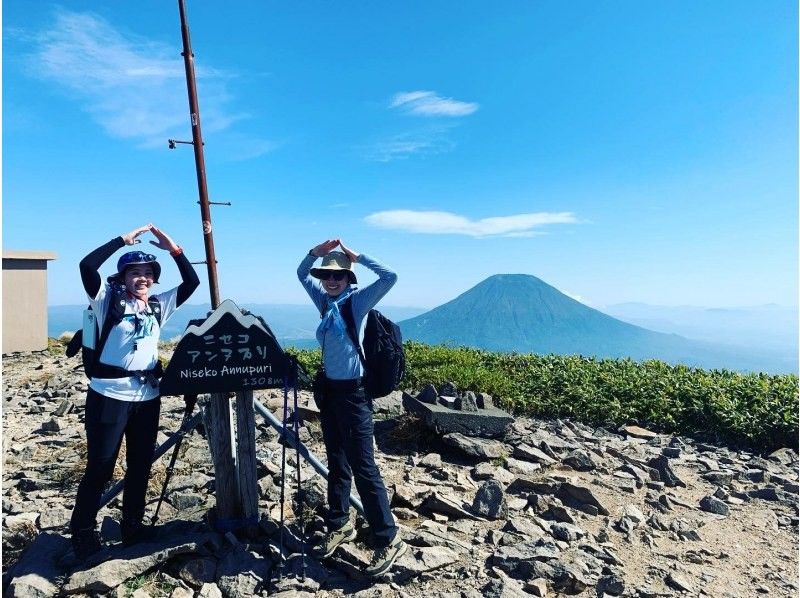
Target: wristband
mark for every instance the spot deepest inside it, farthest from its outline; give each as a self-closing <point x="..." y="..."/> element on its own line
<point x="176" y="252"/>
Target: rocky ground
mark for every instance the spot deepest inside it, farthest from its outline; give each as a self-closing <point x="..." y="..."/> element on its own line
<point x="553" y="508"/>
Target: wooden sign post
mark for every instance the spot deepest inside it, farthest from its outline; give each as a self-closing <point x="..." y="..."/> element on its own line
<point x="229" y="352"/>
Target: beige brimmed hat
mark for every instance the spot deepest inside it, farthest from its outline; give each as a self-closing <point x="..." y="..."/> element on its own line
<point x="335" y="260"/>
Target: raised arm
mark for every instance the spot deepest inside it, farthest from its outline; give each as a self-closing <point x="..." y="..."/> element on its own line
<point x="367" y="298"/>
<point x="189" y="279"/>
<point x="90" y="265"/>
<point x="311" y="286"/>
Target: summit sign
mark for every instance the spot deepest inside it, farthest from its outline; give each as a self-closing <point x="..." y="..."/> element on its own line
<point x="229" y="351"/>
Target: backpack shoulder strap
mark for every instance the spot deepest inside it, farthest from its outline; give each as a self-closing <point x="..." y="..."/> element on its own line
<point x="115" y="312"/>
<point x="350" y="321"/>
<point x="155" y="307"/>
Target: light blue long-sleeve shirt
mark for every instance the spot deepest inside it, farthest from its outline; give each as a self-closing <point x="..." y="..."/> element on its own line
<point x="339" y="354"/>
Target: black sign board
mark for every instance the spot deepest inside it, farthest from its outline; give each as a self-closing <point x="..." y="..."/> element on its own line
<point x="228" y="351"/>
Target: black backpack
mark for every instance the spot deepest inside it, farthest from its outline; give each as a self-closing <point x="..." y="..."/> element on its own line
<point x="116" y="311"/>
<point x="382" y="354"/>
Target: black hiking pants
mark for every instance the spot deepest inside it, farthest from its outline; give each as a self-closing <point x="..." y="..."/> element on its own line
<point x="347" y="429"/>
<point x="107" y="421"/>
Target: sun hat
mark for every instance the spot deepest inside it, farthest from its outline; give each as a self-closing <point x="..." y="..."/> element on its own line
<point x="335" y="261"/>
<point x="133" y="258"/>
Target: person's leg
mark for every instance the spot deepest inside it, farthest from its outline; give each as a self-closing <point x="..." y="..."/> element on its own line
<point x="339" y="473"/>
<point x="358" y="439"/>
<point x="105" y="422"/>
<point x="140" y="441"/>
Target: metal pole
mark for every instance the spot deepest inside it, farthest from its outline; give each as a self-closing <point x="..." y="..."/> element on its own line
<point x="199" y="159"/>
<point x="295" y="441"/>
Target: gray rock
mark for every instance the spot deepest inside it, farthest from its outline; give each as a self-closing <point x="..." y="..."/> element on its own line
<point x="490" y="501"/>
<point x="186" y="500"/>
<point x="513" y="558"/>
<point x="490" y="471"/>
<point x="475" y="447"/>
<point x="568" y="578"/>
<point x="684" y="530"/>
<point x="466" y="402"/>
<point x="579" y="460"/>
<point x="613" y="585"/>
<point x="503" y="588"/>
<point x="662" y="465"/>
<point x="52" y="425"/>
<point x="447" y="505"/>
<point x="678" y="582"/>
<point x="566" y="532"/>
<point x="524" y="468"/>
<point x="637" y="432"/>
<point x="524" y="527"/>
<point x="723" y="478"/>
<point x="784" y="456"/>
<point x="756" y="475"/>
<point x="714" y="505"/>
<point x="209" y="590"/>
<point x="198" y="572"/>
<point x="428" y="394"/>
<point x="410" y="495"/>
<point x="759" y="463"/>
<point x="484" y="400"/>
<point x="569" y="491"/>
<point x="38" y="573"/>
<point x="772" y="494"/>
<point x="242" y="574"/>
<point x="448" y="389"/>
<point x="54" y="517"/>
<point x="432" y="460"/>
<point x="132" y="562"/>
<point x="531" y="453"/>
<point x="421" y="560"/>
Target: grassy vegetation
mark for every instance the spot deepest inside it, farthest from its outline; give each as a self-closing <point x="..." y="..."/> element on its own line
<point x="758" y="411"/>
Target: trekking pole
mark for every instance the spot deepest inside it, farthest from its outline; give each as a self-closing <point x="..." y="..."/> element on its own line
<point x="283" y="474"/>
<point x="296" y="429"/>
<point x="191" y="401"/>
<point x="288" y="436"/>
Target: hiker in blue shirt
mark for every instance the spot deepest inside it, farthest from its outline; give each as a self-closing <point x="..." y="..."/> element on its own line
<point x="345" y="408"/>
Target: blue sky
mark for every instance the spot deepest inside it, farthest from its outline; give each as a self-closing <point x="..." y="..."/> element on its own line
<point x="620" y="151"/>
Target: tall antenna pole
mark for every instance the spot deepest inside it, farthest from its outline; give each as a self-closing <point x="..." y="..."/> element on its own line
<point x="199" y="159"/>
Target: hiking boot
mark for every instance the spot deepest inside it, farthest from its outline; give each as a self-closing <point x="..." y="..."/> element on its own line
<point x="136" y="533"/>
<point x="85" y="543"/>
<point x="334" y="539"/>
<point x="384" y="558"/>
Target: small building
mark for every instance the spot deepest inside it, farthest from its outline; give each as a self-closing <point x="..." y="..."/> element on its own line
<point x="25" y="300"/>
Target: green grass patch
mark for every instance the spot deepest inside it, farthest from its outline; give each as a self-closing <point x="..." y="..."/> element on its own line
<point x="758" y="411"/>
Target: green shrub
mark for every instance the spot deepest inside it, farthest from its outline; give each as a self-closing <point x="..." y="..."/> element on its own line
<point x="759" y="411"/>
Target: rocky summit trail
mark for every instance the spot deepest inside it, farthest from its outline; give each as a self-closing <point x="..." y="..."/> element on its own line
<point x="552" y="508"/>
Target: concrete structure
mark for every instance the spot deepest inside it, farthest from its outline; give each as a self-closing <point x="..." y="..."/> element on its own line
<point x="25" y="300"/>
<point x="461" y="414"/>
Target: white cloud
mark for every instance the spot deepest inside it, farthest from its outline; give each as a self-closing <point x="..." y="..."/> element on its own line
<point x="428" y="103"/>
<point x="132" y="87"/>
<point x="404" y="146"/>
<point x="447" y="223"/>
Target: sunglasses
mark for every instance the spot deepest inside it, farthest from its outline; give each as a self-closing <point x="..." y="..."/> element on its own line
<point x="333" y="275"/>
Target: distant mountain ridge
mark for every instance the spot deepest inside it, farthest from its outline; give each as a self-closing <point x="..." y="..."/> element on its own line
<point x="521" y="313"/>
<point x="293" y="325"/>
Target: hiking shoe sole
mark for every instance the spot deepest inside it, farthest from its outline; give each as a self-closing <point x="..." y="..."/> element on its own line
<point x="324" y="554"/>
<point x="397" y="551"/>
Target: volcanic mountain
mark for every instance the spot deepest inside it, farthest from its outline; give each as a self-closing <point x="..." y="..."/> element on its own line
<point x="521" y="313"/>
